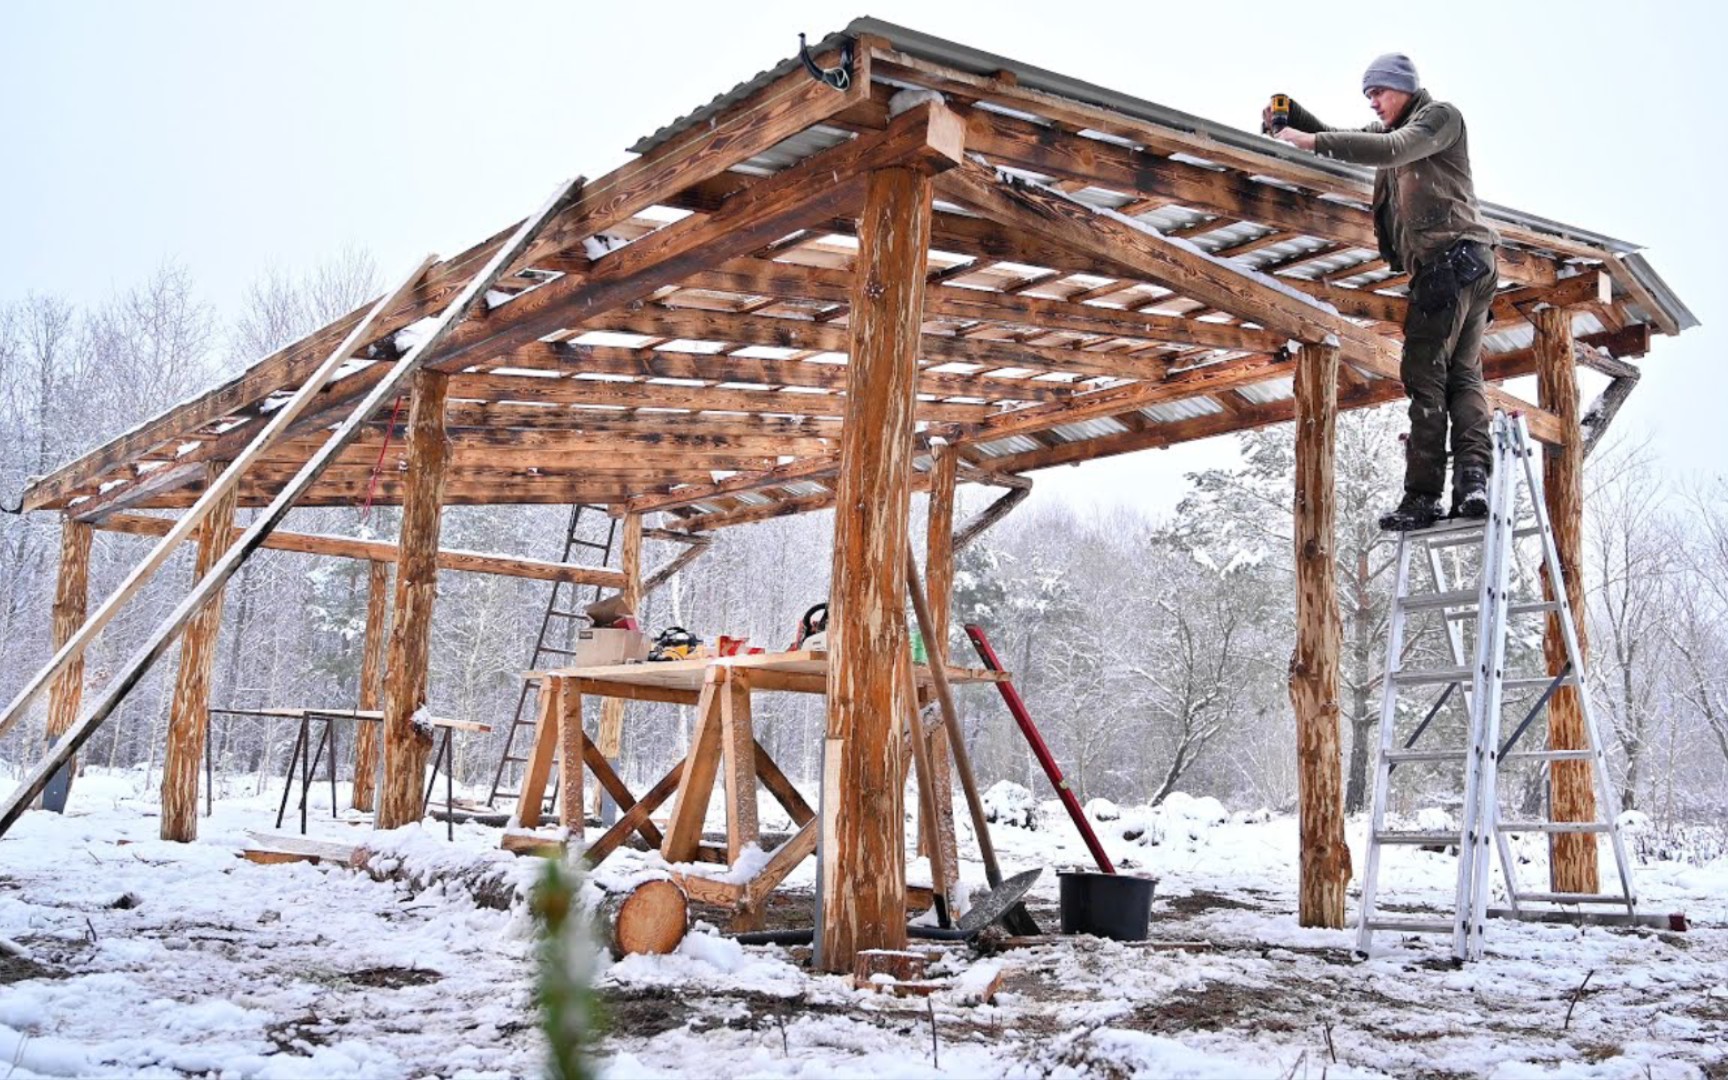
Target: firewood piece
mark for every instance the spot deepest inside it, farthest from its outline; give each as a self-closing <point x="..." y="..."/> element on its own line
<point x="274" y="848"/>
<point x="518" y="843"/>
<point x="651" y="919"/>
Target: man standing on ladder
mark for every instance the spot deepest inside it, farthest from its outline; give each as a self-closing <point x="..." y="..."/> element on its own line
<point x="1426" y="221"/>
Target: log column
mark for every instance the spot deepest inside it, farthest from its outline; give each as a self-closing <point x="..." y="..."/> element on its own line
<point x="1325" y="859"/>
<point x="939" y="581"/>
<point x="1572" y="858"/>
<point x="611" y="741"/>
<point x="371" y="682"/>
<point x="66" y="692"/>
<point x="863" y="891"/>
<point x="407" y="747"/>
<point x="189" y="716"/>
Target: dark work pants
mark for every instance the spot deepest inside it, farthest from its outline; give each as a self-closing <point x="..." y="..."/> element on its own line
<point x="1442" y="373"/>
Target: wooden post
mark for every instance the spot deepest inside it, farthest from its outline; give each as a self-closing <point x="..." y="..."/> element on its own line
<point x="189" y="716"/>
<point x="738" y="760"/>
<point x="611" y="741"/>
<point x="1325" y="860"/>
<point x="406" y="747"/>
<point x="371" y="682"/>
<point x="567" y="708"/>
<point x="71" y="601"/>
<point x="1572" y="857"/>
<point x="939" y="580"/>
<point x="863" y="872"/>
<point x="696" y="784"/>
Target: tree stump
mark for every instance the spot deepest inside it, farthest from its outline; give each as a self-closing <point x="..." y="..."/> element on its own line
<point x="652" y="918"/>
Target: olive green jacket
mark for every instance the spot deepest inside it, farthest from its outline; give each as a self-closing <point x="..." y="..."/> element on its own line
<point x="1424" y="199"/>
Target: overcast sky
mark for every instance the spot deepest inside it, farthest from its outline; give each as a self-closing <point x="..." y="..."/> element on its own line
<point x="236" y="137"/>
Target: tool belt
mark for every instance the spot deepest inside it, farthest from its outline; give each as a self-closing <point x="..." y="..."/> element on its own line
<point x="1439" y="280"/>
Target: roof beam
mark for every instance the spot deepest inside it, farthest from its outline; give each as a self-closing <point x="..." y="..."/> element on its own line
<point x="379" y="551"/>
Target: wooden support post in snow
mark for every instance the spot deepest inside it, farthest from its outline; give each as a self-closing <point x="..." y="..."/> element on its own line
<point x="1325" y="859"/>
<point x="372" y="682"/>
<point x="939" y="580"/>
<point x="863" y="873"/>
<point x="611" y="741"/>
<point x="1572" y="858"/>
<point x="407" y="746"/>
<point x="71" y="600"/>
<point x="189" y="716"/>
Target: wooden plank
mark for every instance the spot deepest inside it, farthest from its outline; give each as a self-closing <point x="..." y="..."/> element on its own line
<point x="372" y="681"/>
<point x="567" y="703"/>
<point x="1572" y="797"/>
<point x="263" y="524"/>
<point x="531" y="797"/>
<point x="188" y="713"/>
<point x="71" y="600"/>
<point x="939" y="580"/>
<point x="684" y="830"/>
<point x="1314" y="665"/>
<point x="473" y="562"/>
<point x="863" y="898"/>
<point x="738" y="760"/>
<point x="634" y="818"/>
<point x="608" y="780"/>
<point x="272" y="849"/>
<point x="781" y="788"/>
<point x="407" y="745"/>
<point x="800" y="846"/>
<point x="662" y="694"/>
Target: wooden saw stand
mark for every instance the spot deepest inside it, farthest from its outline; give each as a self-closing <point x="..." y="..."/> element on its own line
<point x="722" y="745"/>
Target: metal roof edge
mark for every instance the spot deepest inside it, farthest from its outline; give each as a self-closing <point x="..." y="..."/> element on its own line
<point x="1659" y="290"/>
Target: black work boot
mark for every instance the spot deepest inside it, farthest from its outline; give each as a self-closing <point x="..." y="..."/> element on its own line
<point x="1414" y="512"/>
<point x="1470" y="492"/>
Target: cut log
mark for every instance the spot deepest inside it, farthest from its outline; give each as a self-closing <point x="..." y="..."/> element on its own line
<point x="897" y="964"/>
<point x="650" y="919"/>
<point x="274" y="848"/>
<point x="372" y="682"/>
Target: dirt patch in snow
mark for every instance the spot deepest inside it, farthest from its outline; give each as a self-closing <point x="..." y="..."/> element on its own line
<point x="14" y="969"/>
<point x="393" y="978"/>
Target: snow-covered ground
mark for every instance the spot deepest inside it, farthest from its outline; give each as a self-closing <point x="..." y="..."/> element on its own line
<point x="142" y="958"/>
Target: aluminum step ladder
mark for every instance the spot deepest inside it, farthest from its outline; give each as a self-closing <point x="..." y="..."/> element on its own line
<point x="553" y="644"/>
<point x="1487" y="690"/>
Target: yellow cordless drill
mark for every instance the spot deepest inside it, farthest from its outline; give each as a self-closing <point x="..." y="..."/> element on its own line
<point x="1278" y="115"/>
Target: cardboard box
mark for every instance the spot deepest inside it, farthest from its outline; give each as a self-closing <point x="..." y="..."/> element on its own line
<point x="599" y="648"/>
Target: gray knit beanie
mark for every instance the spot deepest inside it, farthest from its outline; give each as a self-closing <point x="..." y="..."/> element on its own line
<point x="1394" y="71"/>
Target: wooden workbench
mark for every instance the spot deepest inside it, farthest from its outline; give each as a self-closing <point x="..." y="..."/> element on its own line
<point x="723" y="744"/>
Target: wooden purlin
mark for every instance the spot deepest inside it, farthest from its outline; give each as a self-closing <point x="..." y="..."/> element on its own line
<point x="767" y="117"/>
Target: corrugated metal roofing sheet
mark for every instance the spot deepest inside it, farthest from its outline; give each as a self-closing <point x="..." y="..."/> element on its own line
<point x="965" y="58"/>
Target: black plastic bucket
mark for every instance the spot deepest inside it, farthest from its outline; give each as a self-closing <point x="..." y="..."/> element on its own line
<point x="1114" y="906"/>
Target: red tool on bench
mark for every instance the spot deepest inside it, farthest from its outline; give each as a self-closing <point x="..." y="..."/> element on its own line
<point x="1018" y="707"/>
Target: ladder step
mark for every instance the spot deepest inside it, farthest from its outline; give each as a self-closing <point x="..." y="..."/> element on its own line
<point x="1429" y="676"/>
<point x="1523" y="607"/>
<point x="1429" y="601"/>
<point x="1447" y="529"/>
<point x="1535" y="682"/>
<point x="1550" y="755"/>
<point x="1555" y="826"/>
<point x="1573" y="898"/>
<point x="1412" y="926"/>
<point x="1398" y="757"/>
<point x="1424" y="839"/>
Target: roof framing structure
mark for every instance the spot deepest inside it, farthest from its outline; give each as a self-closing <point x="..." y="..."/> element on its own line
<point x="1104" y="276"/>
